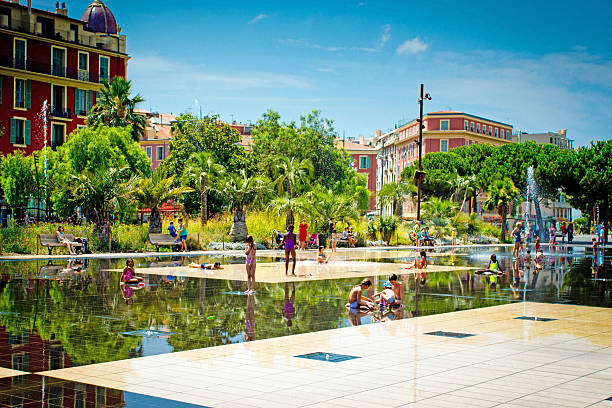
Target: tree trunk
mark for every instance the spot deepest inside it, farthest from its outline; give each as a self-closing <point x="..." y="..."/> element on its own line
<point x="203" y="198"/>
<point x="503" y="213"/>
<point x="290" y="219"/>
<point x="239" y="231"/>
<point x="464" y="199"/>
<point x="155" y="223"/>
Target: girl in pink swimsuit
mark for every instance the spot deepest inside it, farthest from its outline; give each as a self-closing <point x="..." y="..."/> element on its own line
<point x="251" y="264"/>
<point x="289" y="242"/>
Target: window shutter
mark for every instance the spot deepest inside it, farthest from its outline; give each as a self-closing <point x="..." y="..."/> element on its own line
<point x="13" y="131"/>
<point x="76" y="102"/>
<point x="28" y="93"/>
<point x="89" y="101"/>
<point x="27" y="132"/>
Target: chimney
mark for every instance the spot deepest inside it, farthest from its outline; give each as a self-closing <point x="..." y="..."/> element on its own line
<point x="563" y="132"/>
<point x="63" y="11"/>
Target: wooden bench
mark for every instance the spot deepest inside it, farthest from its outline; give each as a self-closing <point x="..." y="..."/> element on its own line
<point x="163" y="240"/>
<point x="50" y="241"/>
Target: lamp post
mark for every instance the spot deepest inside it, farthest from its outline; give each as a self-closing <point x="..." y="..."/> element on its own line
<point x="419" y="174"/>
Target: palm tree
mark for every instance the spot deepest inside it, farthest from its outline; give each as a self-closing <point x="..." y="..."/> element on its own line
<point x="291" y="174"/>
<point x="320" y="206"/>
<point x="202" y="168"/>
<point x="100" y="194"/>
<point x="152" y="192"/>
<point x="438" y="208"/>
<point x="241" y="192"/>
<point x="467" y="184"/>
<point x="396" y="193"/>
<point x="114" y="107"/>
<point x="502" y="196"/>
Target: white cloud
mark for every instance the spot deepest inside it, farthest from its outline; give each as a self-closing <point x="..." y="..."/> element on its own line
<point x="386" y="36"/>
<point x="413" y="46"/>
<point x="321" y="69"/>
<point x="258" y="17"/>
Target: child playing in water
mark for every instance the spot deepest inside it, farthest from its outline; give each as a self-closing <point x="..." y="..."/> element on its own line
<point x="398" y="288"/>
<point x="355" y="298"/>
<point x="528" y="259"/>
<point x="322" y="258"/>
<point x="387" y="296"/>
<point x="539" y="261"/>
<point x="334" y="240"/>
<point x="127" y="276"/>
<point x="251" y="263"/>
<point x="419" y="262"/>
<point x="492" y="269"/>
<point x="215" y="266"/>
<point x="537" y="243"/>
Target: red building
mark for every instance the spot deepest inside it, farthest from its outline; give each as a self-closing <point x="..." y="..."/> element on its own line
<point x="364" y="161"/>
<point x="53" y="57"/>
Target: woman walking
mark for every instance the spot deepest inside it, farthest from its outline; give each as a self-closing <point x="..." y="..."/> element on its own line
<point x="289" y="243"/>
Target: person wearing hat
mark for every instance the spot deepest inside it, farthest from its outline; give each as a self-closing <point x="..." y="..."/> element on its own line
<point x="387" y="297"/>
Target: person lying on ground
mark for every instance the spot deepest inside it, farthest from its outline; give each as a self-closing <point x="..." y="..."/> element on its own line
<point x="216" y="265"/>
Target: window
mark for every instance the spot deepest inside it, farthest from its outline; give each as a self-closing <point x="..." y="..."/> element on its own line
<point x="83" y="101"/>
<point x="58" y="61"/>
<point x="465" y="125"/>
<point x="364" y="162"/>
<point x="496" y="132"/>
<point x="20" y="362"/>
<point x="478" y="127"/>
<point x="19" y="53"/>
<point x="149" y="152"/>
<point x="471" y="126"/>
<point x="19" y="339"/>
<point x="58" y="135"/>
<point x="83" y="66"/>
<point x="20" y="132"/>
<point x="467" y="142"/>
<point x="104" y="63"/>
<point x="160" y="153"/>
<point x="444" y="145"/>
<point x="490" y="130"/>
<point x="58" y="101"/>
<point x="22" y="93"/>
<point x="444" y="125"/>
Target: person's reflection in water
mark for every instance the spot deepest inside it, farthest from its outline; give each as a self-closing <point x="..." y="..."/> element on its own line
<point x="127" y="292"/>
<point x="288" y="305"/>
<point x="249" y="319"/>
<point x="517" y="273"/>
<point x="355" y="315"/>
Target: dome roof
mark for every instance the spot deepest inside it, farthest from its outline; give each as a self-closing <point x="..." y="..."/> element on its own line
<point x="99" y="19"/>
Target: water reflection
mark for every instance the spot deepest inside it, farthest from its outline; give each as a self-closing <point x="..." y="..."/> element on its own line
<point x="55" y="315"/>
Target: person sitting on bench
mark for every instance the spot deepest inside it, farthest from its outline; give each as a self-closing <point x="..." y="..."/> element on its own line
<point x="61" y="237"/>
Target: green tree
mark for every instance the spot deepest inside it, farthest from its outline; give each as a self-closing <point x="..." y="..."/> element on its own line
<point x="438" y="208"/>
<point x="292" y="176"/>
<point x="89" y="151"/>
<point x="395" y="194"/>
<point x="202" y="170"/>
<point x="17" y="179"/>
<point x="100" y="193"/>
<point x="241" y="192"/>
<point x="590" y="180"/>
<point x="439" y="168"/>
<point x="114" y="107"/>
<point x="321" y="205"/>
<point x="503" y="195"/>
<point x="152" y="192"/>
<point x="313" y="139"/>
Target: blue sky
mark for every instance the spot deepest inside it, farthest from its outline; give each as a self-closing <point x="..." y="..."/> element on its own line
<point x="538" y="65"/>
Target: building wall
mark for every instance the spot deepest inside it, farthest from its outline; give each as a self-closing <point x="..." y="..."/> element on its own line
<point x="370" y="172"/>
<point x="154" y="145"/>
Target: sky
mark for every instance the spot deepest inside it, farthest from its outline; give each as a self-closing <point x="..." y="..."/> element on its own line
<point x="537" y="65"/>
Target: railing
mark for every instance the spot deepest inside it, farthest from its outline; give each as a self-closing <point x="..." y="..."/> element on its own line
<point x="61" y="113"/>
<point x="48" y="69"/>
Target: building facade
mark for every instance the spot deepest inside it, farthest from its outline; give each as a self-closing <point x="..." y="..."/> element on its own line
<point x="558" y="138"/>
<point x="443" y="131"/>
<point x="49" y="56"/>
<point x="364" y="162"/>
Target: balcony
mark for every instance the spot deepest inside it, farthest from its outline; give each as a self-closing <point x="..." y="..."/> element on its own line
<point x="59" y="112"/>
<point x="49" y="69"/>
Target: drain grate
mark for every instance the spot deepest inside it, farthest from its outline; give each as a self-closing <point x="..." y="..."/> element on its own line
<point x="331" y="357"/>
<point x="147" y="333"/>
<point x="450" y="334"/>
<point x="535" y="318"/>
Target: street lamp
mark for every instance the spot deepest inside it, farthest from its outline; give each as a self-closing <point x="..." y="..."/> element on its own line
<point x="419" y="174"/>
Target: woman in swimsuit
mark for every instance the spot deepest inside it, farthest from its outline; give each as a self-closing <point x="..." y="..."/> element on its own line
<point x="251" y="264"/>
<point x="516" y="233"/>
<point x="289" y="242"/>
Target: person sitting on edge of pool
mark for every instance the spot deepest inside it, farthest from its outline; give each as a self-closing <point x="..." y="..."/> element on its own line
<point x="398" y="288"/>
<point x="493" y="269"/>
<point x="322" y="258"/>
<point x="355" y="298"/>
<point x="420" y="261"/>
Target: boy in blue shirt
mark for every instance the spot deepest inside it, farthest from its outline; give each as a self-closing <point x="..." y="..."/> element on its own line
<point x="172" y="230"/>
